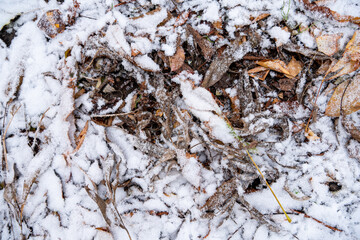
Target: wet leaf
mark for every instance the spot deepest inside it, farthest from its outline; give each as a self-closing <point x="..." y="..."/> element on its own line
<point x="328" y="44"/>
<point x="276" y="65"/>
<point x="350" y="98"/>
<point x="51" y="23"/>
<point x="177" y="60"/>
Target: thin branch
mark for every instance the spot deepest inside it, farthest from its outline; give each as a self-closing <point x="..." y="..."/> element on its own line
<point x="4" y="137"/>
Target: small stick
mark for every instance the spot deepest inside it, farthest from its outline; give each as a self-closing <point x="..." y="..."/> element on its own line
<point x="4" y="136"/>
<point x="38" y="129"/>
<point x="307" y="216"/>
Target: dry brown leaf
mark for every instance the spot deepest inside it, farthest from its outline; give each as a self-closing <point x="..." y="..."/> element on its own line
<point x="329" y="13"/>
<point x="181" y="19"/>
<point x="205" y="46"/>
<point x="80" y="139"/>
<point x="294" y="67"/>
<point x="51" y="23"/>
<point x="177" y="60"/>
<point x="276" y="65"/>
<point x="350" y="98"/>
<point x="259" y="72"/>
<point x="328" y="44"/>
<point x="324" y="67"/>
<point x="261" y="17"/>
<point x="218" y="24"/>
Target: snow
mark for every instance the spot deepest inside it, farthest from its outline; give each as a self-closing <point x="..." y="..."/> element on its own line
<point x="162" y="200"/>
<point x="280" y="35"/>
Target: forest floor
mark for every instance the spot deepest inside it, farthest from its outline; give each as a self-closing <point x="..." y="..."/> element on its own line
<point x="180" y="119"/>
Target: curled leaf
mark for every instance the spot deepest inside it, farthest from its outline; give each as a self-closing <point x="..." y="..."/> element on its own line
<point x="276" y="65"/>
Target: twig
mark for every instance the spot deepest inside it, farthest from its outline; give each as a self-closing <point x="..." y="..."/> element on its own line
<point x="307" y="216"/>
<point x="38" y="129"/>
<point x="4" y="137"/>
<point x="111" y="115"/>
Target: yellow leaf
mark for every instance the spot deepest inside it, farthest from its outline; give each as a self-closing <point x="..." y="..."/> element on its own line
<point x="350" y="98"/>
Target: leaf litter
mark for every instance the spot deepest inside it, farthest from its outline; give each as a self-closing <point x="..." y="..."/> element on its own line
<point x="144" y="120"/>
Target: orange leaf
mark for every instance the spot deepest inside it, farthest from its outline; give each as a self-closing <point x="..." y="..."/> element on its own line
<point x="294" y="68"/>
<point x="80" y="139"/>
<point x="276" y="65"/>
<point x="350" y="98"/>
<point x="259" y="72"/>
<point x="328" y="44"/>
<point x="177" y="60"/>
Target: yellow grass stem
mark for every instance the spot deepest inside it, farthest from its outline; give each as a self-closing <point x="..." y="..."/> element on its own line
<point x="288" y="218"/>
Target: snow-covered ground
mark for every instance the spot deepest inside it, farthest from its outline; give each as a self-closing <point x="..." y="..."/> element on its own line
<point x="58" y="184"/>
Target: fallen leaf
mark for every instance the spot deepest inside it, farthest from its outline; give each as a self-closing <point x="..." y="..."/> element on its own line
<point x="310" y="135"/>
<point x="329" y="13"/>
<point x="51" y="23"/>
<point x="259" y="72"/>
<point x="218" y="24"/>
<point x="294" y="67"/>
<point x="181" y="19"/>
<point x="286" y="84"/>
<point x="80" y="139"/>
<point x="177" y="60"/>
<point x="350" y="59"/>
<point x="350" y="98"/>
<point x="328" y="44"/>
<point x="205" y="46"/>
<point x="261" y="17"/>
<point x="276" y="65"/>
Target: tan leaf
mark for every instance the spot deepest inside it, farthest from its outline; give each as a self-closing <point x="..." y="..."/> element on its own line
<point x="350" y="98"/>
<point x="259" y="72"/>
<point x="328" y="44"/>
<point x="177" y="60"/>
<point x="276" y="65"/>
<point x="294" y="67"/>
<point x="350" y="60"/>
<point x="310" y="135"/>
